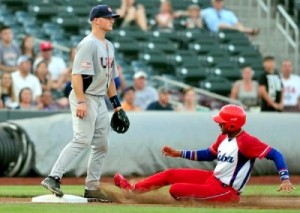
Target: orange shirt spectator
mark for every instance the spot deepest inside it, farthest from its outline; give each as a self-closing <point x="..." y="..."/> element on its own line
<point x="128" y="100"/>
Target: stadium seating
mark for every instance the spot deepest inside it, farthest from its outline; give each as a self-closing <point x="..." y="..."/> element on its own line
<point x="200" y="58"/>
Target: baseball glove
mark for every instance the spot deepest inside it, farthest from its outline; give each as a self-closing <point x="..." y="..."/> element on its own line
<point x="119" y="121"/>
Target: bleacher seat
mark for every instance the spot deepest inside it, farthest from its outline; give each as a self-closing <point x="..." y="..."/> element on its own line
<point x="197" y="57"/>
<point x="217" y="84"/>
<point x="191" y="74"/>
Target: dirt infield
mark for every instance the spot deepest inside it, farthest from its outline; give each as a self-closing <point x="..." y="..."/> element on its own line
<point x="263" y="180"/>
<point x="256" y="202"/>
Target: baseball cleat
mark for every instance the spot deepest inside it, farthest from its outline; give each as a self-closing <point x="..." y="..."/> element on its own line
<point x="97" y="196"/>
<point x="121" y="182"/>
<point x="53" y="184"/>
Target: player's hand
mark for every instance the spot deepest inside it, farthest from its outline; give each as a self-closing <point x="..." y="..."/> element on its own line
<point x="286" y="186"/>
<point x="81" y="110"/>
<point x="169" y="151"/>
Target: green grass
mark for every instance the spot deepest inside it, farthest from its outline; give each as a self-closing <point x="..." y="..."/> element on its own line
<point x="74" y="208"/>
<point x="31" y="191"/>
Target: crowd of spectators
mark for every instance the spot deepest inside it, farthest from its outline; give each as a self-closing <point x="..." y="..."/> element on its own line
<point x="28" y="77"/>
<point x="40" y="80"/>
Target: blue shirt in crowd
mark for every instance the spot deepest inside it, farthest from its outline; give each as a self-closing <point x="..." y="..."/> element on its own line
<point x="213" y="18"/>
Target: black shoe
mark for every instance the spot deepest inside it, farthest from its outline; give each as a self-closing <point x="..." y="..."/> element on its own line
<point x="53" y="184"/>
<point x="97" y="196"/>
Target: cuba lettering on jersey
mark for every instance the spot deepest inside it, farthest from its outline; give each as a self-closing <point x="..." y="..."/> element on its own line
<point x="236" y="158"/>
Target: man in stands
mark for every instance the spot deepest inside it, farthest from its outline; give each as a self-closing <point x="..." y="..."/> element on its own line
<point x="218" y="18"/>
<point x="163" y="101"/>
<point x="9" y="52"/>
<point x="22" y="78"/>
<point x="56" y="65"/>
<point x="144" y="94"/>
<point x="291" y="84"/>
<point x="270" y="87"/>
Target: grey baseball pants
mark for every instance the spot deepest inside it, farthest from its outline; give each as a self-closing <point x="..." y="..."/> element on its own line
<point x="91" y="130"/>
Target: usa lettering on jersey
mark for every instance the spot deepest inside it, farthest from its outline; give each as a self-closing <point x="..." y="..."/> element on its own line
<point x="104" y="61"/>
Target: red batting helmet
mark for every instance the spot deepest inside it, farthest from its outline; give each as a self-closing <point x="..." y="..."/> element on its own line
<point x="232" y="116"/>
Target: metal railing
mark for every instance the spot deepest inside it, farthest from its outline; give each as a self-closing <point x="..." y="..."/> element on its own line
<point x="288" y="28"/>
<point x="263" y="12"/>
<point x="203" y="92"/>
<point x="57" y="46"/>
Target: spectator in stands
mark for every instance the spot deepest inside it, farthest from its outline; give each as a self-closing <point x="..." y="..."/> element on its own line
<point x="144" y="94"/>
<point x="218" y="18"/>
<point x="128" y="100"/>
<point x="246" y="89"/>
<point x="120" y="81"/>
<point x="26" y="100"/>
<point x="56" y="65"/>
<point x="270" y="87"/>
<point x="23" y="78"/>
<point x="291" y="84"/>
<point x="48" y="104"/>
<point x="190" y="102"/>
<point x="42" y="73"/>
<point x="165" y="17"/>
<point x="8" y="96"/>
<point x="131" y="14"/>
<point x="194" y="19"/>
<point x="27" y="47"/>
<point x="163" y="101"/>
<point x="9" y="52"/>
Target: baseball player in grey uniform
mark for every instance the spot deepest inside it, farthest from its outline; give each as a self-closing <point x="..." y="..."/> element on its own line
<point x="93" y="76"/>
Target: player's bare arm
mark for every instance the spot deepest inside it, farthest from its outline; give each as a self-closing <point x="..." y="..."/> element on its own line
<point x="169" y="151"/>
<point x="112" y="92"/>
<point x="283" y="172"/>
<point x="81" y="109"/>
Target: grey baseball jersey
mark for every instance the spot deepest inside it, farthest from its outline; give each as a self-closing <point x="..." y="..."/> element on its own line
<point x="96" y="59"/>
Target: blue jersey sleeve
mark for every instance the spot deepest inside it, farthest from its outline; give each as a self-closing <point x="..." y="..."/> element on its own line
<point x="278" y="159"/>
<point x="198" y="155"/>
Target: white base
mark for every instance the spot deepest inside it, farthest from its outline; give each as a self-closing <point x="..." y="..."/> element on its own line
<point x="53" y="199"/>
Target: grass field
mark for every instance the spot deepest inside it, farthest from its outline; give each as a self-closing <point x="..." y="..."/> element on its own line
<point x="18" y="199"/>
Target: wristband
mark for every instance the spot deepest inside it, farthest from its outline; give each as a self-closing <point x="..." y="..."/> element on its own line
<point x="191" y="155"/>
<point x="115" y="101"/>
<point x="284" y="174"/>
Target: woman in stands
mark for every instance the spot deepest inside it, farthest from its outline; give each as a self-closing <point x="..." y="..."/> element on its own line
<point x="41" y="71"/>
<point x="27" y="47"/>
<point x="165" y="17"/>
<point x="8" y="99"/>
<point x="131" y="14"/>
<point x="26" y="100"/>
<point x="194" y="19"/>
<point x="246" y="89"/>
<point x="190" y="102"/>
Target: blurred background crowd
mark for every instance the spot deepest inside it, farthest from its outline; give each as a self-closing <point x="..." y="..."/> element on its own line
<point x="176" y="55"/>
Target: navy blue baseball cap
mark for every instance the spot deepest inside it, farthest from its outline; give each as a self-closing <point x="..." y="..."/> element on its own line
<point x="102" y="11"/>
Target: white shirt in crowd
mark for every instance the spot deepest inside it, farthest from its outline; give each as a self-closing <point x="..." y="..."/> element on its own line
<point x="55" y="67"/>
<point x="144" y="97"/>
<point x="291" y="90"/>
<point x="30" y="81"/>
